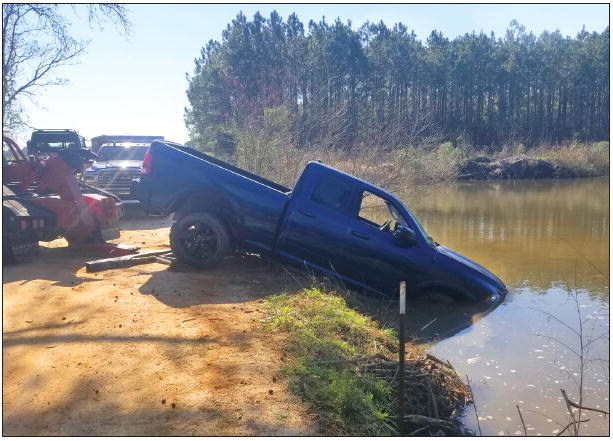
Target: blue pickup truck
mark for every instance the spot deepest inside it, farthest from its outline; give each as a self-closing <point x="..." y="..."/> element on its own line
<point x="323" y="224"/>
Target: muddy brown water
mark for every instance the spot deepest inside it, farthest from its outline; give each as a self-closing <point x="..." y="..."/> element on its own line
<point x="549" y="242"/>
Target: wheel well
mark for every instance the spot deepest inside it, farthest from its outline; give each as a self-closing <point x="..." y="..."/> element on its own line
<point x="452" y="291"/>
<point x="199" y="202"/>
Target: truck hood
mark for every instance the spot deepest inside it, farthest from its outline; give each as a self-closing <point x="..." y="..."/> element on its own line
<point x="116" y="163"/>
<point x="473" y="265"/>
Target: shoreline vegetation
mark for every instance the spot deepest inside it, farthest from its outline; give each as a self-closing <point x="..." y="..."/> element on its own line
<point x="344" y="365"/>
<point x="267" y="153"/>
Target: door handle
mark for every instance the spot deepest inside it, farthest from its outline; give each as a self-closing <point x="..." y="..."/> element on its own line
<point x="360" y="235"/>
<point x="306" y="213"/>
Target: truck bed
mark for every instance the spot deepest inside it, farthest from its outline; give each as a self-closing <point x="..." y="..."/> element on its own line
<point x="252" y="205"/>
<point x="234" y="169"/>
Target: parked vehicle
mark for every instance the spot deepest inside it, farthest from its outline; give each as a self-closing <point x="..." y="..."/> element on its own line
<point x="322" y="224"/>
<point x="117" y="165"/>
<point x="45" y="139"/>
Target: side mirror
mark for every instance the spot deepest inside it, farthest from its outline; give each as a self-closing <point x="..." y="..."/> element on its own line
<point x="405" y="236"/>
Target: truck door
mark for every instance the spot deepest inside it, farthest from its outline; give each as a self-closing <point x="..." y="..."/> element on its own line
<point x="317" y="223"/>
<point x="379" y="260"/>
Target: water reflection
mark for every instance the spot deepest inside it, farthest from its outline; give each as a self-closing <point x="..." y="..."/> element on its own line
<point x="426" y="322"/>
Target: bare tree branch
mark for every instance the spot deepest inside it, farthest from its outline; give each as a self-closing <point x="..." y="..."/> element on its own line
<point x="35" y="42"/>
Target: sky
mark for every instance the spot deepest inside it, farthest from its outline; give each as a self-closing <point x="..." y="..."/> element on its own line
<point x="136" y="84"/>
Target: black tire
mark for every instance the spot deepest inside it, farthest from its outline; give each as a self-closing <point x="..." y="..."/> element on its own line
<point x="199" y="239"/>
<point x="19" y="249"/>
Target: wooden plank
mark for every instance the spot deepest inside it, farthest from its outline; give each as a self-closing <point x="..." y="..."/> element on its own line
<point x="123" y="261"/>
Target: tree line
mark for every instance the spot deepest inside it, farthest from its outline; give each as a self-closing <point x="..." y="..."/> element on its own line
<point x="342" y="87"/>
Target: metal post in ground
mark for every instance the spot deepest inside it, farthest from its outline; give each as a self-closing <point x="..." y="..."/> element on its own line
<point x="401" y="359"/>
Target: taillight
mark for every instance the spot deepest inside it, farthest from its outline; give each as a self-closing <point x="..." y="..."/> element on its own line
<point x="146" y="167"/>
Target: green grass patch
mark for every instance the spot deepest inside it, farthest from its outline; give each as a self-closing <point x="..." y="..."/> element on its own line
<point x="322" y="330"/>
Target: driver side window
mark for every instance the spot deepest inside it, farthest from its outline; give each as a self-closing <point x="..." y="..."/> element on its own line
<point x="374" y="210"/>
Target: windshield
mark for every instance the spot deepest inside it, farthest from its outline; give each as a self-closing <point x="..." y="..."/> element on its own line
<point x="114" y="152"/>
<point x="421" y="228"/>
<point x="397" y="216"/>
<point x="56" y="140"/>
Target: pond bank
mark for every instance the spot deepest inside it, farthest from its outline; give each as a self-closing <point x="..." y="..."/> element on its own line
<point x="547" y="162"/>
<point x="482" y="167"/>
<point x="345" y="366"/>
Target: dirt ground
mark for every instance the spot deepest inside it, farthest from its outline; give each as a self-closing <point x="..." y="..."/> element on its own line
<point x="143" y="350"/>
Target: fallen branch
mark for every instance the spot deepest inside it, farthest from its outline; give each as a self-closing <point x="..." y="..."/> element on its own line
<point x="420" y="420"/>
<point x="415" y="432"/>
<point x="521" y="417"/>
<point x="474" y="404"/>
<point x="573" y="404"/>
<point x="570" y="424"/>
<point x="360" y="360"/>
<point x="431" y="398"/>
<point x="435" y="359"/>
<point x="573" y="422"/>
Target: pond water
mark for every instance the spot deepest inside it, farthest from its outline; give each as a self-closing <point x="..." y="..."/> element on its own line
<point x="549" y="242"/>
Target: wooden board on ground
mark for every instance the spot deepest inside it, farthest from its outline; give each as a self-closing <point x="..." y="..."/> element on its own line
<point x="127" y="261"/>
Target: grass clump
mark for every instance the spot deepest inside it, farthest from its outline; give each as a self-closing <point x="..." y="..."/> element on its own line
<point x="324" y="332"/>
<point x="344" y="364"/>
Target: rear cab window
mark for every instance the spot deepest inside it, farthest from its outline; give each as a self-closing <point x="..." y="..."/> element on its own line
<point x="332" y="191"/>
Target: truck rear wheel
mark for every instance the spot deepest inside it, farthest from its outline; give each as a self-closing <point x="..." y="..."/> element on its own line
<point x="199" y="239"/>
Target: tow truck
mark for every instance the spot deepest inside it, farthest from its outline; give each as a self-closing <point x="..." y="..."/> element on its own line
<point x="43" y="200"/>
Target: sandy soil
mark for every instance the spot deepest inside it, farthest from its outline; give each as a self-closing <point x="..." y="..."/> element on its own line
<point x="143" y="350"/>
